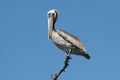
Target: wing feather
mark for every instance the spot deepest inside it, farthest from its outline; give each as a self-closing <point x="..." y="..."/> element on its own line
<point x="72" y="39"/>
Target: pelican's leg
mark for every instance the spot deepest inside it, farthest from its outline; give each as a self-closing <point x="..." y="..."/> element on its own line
<point x="68" y="57"/>
<point x="68" y="54"/>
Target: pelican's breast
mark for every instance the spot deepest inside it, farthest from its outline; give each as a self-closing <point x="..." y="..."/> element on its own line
<point x="60" y="42"/>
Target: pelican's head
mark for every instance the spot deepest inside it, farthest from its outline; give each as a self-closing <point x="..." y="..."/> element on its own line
<point x="52" y="17"/>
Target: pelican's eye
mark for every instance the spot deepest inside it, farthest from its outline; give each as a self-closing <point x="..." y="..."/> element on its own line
<point x="48" y="15"/>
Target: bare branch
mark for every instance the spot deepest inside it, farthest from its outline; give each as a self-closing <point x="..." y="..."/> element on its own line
<point x="66" y="64"/>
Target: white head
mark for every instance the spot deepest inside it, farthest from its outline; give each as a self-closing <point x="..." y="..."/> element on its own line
<point x="53" y="13"/>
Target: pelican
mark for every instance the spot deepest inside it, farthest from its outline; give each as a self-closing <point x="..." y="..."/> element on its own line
<point x="63" y="40"/>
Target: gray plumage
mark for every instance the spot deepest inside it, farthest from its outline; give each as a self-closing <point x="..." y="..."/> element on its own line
<point x="63" y="40"/>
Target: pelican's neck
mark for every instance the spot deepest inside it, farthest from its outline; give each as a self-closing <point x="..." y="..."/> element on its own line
<point x="53" y="28"/>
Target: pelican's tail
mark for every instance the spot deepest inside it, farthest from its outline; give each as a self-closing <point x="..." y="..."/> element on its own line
<point x="86" y="55"/>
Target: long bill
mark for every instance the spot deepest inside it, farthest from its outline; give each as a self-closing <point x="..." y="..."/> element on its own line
<point x="50" y="26"/>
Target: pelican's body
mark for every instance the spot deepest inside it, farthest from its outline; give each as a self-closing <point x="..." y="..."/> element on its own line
<point x="63" y="40"/>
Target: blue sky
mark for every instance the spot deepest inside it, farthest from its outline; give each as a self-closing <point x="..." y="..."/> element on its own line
<point x="27" y="54"/>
